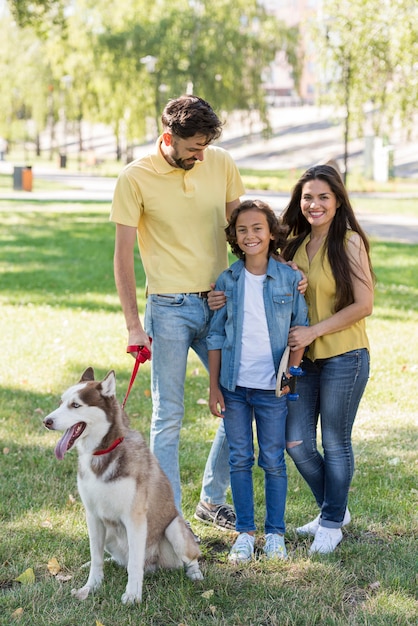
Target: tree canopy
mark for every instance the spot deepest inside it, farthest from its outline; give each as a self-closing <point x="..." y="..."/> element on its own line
<point x="368" y="52"/>
<point x="118" y="63"/>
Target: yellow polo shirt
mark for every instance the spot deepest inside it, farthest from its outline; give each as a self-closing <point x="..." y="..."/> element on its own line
<point x="320" y="298"/>
<point x="180" y="217"/>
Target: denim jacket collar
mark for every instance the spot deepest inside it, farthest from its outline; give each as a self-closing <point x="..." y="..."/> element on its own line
<point x="236" y="268"/>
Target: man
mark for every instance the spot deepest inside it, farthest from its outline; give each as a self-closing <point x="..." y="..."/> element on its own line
<point x="176" y="202"/>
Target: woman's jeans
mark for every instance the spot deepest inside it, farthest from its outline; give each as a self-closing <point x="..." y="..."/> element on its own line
<point x="270" y="418"/>
<point x="176" y="323"/>
<point x="331" y="388"/>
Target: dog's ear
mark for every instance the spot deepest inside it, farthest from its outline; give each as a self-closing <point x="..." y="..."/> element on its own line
<point x="109" y="385"/>
<point x="88" y="374"/>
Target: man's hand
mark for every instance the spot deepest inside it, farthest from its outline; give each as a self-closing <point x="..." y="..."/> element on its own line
<point x="303" y="283"/>
<point x="139" y="338"/>
<point x="216" y="299"/>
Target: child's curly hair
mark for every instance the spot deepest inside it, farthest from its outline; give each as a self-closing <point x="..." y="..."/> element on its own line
<point x="278" y="231"/>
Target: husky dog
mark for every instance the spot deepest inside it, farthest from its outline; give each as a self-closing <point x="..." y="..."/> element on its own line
<point x="129" y="502"/>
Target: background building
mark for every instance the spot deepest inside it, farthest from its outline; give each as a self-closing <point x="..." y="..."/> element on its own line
<point x="280" y="82"/>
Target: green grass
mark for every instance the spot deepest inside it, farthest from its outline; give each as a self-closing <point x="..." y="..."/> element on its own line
<point x="59" y="314"/>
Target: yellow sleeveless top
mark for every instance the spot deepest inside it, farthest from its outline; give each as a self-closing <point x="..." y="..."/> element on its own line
<point x="320" y="298"/>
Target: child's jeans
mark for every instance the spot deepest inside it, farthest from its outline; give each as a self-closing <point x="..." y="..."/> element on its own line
<point x="270" y="418"/>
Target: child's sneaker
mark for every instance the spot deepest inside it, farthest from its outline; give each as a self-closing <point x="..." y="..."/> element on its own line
<point x="326" y="540"/>
<point x="311" y="527"/>
<point x="274" y="547"/>
<point x="243" y="549"/>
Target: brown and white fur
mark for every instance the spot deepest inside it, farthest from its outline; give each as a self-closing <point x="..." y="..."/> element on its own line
<point x="129" y="502"/>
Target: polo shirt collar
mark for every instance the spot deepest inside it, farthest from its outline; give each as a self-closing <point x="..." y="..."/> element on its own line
<point x="159" y="163"/>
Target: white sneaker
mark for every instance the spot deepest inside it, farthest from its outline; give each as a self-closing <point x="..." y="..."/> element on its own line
<point x="311" y="527"/>
<point x="243" y="549"/>
<point x="274" y="547"/>
<point x="326" y="540"/>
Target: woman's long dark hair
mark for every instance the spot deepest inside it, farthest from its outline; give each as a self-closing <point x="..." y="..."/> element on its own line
<point x="276" y="229"/>
<point x="344" y="219"/>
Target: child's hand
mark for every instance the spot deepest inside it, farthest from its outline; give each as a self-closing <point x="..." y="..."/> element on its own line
<point x="216" y="402"/>
<point x="285" y="389"/>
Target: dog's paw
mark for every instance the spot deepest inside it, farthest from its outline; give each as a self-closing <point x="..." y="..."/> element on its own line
<point x="82" y="593"/>
<point x="193" y="571"/>
<point x="131" y="598"/>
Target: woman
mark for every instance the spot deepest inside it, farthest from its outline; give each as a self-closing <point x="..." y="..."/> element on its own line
<point x="329" y="246"/>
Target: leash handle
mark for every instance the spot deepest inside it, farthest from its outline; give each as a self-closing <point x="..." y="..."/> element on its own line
<point x="142" y="355"/>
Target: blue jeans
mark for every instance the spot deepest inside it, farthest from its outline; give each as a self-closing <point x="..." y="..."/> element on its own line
<point x="270" y="418"/>
<point x="176" y="323"/>
<point x="331" y="388"/>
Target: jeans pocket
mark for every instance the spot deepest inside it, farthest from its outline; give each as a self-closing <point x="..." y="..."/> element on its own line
<point x="167" y="299"/>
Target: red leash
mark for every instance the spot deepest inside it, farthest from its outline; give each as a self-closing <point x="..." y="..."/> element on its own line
<point x="143" y="354"/>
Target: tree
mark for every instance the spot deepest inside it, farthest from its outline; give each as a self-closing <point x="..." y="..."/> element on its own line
<point x="118" y="63"/>
<point x="368" y="52"/>
<point x="22" y="101"/>
<point x="38" y="13"/>
<point x="216" y="48"/>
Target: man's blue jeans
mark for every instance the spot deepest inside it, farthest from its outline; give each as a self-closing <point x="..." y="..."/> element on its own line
<point x="270" y="418"/>
<point x="331" y="388"/>
<point x="176" y="323"/>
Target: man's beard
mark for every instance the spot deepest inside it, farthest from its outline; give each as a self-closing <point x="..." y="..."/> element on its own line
<point x="184" y="164"/>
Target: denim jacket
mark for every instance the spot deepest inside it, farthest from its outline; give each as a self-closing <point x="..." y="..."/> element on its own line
<point x="284" y="307"/>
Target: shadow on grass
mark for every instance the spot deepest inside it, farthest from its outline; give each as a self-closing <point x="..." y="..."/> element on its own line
<point x="42" y="517"/>
<point x="33" y="479"/>
<point x="60" y="259"/>
<point x="66" y="259"/>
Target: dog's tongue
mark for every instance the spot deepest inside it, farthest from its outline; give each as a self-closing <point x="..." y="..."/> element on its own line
<point x="66" y="441"/>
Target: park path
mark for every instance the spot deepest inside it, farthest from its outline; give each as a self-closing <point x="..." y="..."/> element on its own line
<point x="301" y="136"/>
<point x="82" y="188"/>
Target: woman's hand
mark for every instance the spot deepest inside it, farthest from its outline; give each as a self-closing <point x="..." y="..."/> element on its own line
<point x="301" y="336"/>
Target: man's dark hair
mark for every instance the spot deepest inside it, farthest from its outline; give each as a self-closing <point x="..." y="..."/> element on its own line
<point x="188" y="115"/>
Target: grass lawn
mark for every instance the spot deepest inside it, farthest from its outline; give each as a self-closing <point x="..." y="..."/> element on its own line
<point x="59" y="314"/>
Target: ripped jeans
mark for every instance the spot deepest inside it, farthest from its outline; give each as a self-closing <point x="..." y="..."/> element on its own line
<point x="332" y="389"/>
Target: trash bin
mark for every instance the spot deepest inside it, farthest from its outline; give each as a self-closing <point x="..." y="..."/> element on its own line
<point x="27" y="178"/>
<point x="63" y="161"/>
<point x="22" y="178"/>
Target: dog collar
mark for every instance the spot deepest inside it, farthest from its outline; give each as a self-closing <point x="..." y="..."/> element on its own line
<point x="110" y="448"/>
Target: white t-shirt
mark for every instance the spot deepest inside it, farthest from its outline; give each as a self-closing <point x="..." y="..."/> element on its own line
<point x="256" y="368"/>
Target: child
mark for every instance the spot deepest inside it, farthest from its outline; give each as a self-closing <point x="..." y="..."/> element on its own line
<point x="246" y="341"/>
